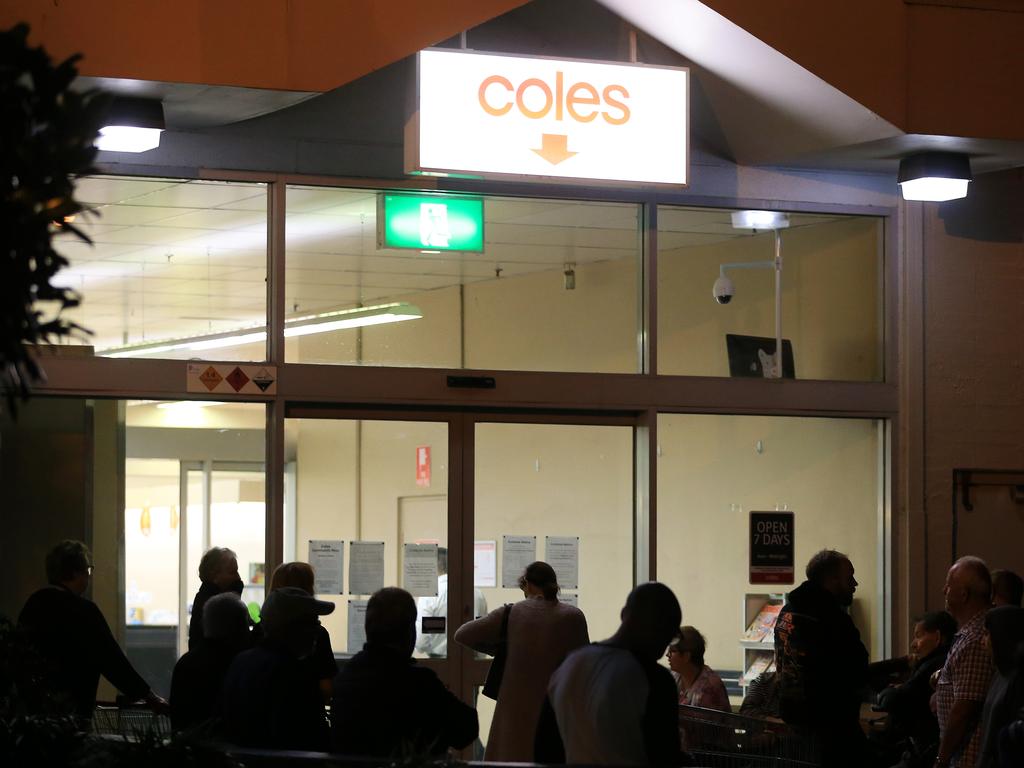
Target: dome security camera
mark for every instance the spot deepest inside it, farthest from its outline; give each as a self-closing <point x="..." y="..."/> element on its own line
<point x="723" y="290"/>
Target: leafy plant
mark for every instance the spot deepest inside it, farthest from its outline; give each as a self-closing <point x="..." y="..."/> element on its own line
<point x="46" y="141"/>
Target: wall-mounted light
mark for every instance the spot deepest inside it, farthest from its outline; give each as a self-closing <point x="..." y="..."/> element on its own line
<point x="569" y="276"/>
<point x="934" y="176"/>
<point x="132" y="125"/>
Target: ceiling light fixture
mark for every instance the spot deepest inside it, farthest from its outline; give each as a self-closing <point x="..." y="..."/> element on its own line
<point x="934" y="176"/>
<point x="304" y="325"/>
<point x="759" y="220"/>
<point x="131" y="125"/>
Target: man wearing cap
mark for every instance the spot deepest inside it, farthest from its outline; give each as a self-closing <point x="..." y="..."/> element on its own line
<point x="386" y="705"/>
<point x="267" y="701"/>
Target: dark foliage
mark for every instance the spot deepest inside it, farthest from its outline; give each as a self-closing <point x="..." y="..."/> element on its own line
<point x="46" y="141"/>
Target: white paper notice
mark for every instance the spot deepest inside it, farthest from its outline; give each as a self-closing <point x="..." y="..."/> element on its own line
<point x="570" y="598"/>
<point x="356" y="625"/>
<point x="365" y="567"/>
<point x="517" y="552"/>
<point x="327" y="557"/>
<point x="485" y="563"/>
<point x="563" y="554"/>
<point x="419" y="570"/>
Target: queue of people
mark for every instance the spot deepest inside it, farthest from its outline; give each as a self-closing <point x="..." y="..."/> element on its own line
<point x="956" y="700"/>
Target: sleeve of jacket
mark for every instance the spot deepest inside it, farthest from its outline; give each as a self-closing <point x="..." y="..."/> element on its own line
<point x="482" y="634"/>
<point x="458" y="721"/>
<point x="113" y="664"/>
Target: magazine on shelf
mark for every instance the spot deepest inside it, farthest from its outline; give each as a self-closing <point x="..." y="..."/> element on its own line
<point x="763" y="662"/>
<point x="762" y="628"/>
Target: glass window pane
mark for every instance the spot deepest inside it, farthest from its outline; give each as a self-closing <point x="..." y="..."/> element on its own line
<point x="548" y="480"/>
<point x="832" y="297"/>
<point x="151" y="541"/>
<point x="221" y="448"/>
<point x="177" y="269"/>
<point x="373" y="481"/>
<point x="555" y="288"/>
<point x="714" y="470"/>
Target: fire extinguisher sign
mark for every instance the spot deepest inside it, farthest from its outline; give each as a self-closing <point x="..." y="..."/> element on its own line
<point x="423" y="466"/>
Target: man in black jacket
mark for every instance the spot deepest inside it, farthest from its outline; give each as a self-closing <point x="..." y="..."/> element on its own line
<point x="386" y="705"/>
<point x="72" y="635"/>
<point x="821" y="661"/>
<point x="218" y="572"/>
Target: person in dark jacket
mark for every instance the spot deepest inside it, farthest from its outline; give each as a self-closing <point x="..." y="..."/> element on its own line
<point x="821" y="661"/>
<point x="73" y="637"/>
<point x="321" y="666"/>
<point x="386" y="705"/>
<point x="218" y="572"/>
<point x="912" y="728"/>
<point x="268" y="701"/>
<point x="199" y="675"/>
<point x="1005" y="627"/>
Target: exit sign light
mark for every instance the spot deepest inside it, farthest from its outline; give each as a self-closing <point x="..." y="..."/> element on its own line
<point x="430" y="222"/>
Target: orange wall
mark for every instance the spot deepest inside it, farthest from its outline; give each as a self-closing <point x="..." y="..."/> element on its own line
<point x="302" y="45"/>
<point x="925" y="68"/>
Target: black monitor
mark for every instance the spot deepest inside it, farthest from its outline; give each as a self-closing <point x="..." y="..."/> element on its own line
<point x="748" y="356"/>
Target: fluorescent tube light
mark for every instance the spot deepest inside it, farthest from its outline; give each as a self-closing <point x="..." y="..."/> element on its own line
<point x="305" y="325"/>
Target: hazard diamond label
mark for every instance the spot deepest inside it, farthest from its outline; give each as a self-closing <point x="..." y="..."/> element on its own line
<point x="263" y="379"/>
<point x="231" y="379"/>
<point x="211" y="378"/>
<point x="237" y="379"/>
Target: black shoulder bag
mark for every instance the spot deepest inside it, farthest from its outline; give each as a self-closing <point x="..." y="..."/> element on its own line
<point x="497" y="671"/>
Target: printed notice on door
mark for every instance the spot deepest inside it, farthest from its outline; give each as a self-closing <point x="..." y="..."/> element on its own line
<point x="365" y="567"/>
<point x="517" y="552"/>
<point x="419" y="570"/>
<point x="327" y="557"/>
<point x="563" y="554"/>
<point x="485" y="563"/>
<point x="356" y="625"/>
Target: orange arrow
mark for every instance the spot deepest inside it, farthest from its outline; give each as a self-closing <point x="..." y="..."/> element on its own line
<point x="554" y="148"/>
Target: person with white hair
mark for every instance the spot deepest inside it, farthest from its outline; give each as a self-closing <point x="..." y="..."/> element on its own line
<point x="218" y="573"/>
<point x="964" y="680"/>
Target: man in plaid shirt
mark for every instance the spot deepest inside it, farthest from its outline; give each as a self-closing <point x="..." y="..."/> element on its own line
<point x="963" y="682"/>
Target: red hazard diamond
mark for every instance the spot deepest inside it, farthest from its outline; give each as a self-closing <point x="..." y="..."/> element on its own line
<point x="237" y="379"/>
<point x="211" y="378"/>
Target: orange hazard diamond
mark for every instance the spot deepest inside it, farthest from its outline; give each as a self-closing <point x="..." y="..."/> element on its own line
<point x="211" y="378"/>
<point x="237" y="379"/>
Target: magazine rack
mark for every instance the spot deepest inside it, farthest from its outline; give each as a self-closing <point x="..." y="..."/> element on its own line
<point x="760" y="611"/>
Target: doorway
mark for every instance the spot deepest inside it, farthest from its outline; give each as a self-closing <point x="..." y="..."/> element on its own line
<point x="493" y="491"/>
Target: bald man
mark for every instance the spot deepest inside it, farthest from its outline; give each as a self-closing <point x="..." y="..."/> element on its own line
<point x="964" y="680"/>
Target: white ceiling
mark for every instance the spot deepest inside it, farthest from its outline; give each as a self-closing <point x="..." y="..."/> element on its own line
<point x="173" y="259"/>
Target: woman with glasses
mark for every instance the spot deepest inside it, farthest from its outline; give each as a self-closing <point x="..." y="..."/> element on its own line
<point x="699" y="685"/>
<point x="541" y="631"/>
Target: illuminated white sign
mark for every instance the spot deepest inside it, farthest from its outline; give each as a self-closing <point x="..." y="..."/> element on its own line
<point x="511" y="116"/>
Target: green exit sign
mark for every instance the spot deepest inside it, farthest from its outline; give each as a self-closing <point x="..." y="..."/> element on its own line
<point x="430" y="222"/>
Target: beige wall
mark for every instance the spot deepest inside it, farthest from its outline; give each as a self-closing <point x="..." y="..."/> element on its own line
<point x="710" y="477"/>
